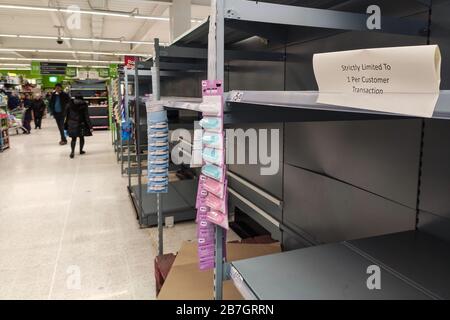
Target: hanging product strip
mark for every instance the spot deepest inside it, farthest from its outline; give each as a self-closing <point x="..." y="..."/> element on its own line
<point x="212" y="196"/>
<point x="158" y="149"/>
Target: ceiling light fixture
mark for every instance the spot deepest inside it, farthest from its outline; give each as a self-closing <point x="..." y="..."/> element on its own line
<point x="17" y="68"/>
<point x="61" y="60"/>
<point x="90" y="12"/>
<point x="98" y="13"/>
<point x="74" y="52"/>
<point x="14" y="7"/>
<point x="86" y="66"/>
<point x="79" y="39"/>
<point x="15" y="64"/>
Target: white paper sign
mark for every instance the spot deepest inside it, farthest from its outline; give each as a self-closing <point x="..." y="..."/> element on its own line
<point x="402" y="80"/>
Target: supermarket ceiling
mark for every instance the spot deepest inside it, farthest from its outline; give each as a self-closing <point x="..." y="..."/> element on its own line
<point x="93" y="32"/>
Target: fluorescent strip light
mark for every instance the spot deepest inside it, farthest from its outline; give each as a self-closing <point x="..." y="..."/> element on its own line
<point x="78" y="39"/>
<point x="16" y="68"/>
<point x="86" y="66"/>
<point x="10" y="6"/>
<point x="98" y="13"/>
<point x="37" y="37"/>
<point x="152" y="18"/>
<point x="99" y="61"/>
<point x="15" y="64"/>
<point x="94" y="40"/>
<point x="19" y="50"/>
<point x="74" y="52"/>
<point x="60" y="60"/>
<point x="91" y="12"/>
<point x="97" y="53"/>
<point x="53" y="51"/>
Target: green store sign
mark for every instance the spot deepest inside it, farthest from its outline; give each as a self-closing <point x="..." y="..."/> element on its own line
<point x="35" y="68"/>
<point x="103" y="73"/>
<point x="113" y="70"/>
<point x="71" y="72"/>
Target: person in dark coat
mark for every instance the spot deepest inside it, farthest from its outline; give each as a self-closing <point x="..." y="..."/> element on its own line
<point x="58" y="109"/>
<point x="78" y="123"/>
<point x="27" y="102"/>
<point x="28" y="115"/>
<point x="38" y="111"/>
<point x="13" y="101"/>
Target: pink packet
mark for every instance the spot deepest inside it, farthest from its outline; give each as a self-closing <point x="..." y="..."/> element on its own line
<point x="201" y="214"/>
<point x="201" y="195"/>
<point x="206" y="234"/>
<point x="219" y="218"/>
<point x="206" y="250"/>
<point x="212" y="104"/>
<point x="215" y="187"/>
<point x="200" y="189"/>
<point x="215" y="203"/>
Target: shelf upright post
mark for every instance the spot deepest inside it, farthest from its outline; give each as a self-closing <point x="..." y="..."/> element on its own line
<point x="110" y="113"/>
<point x="216" y="69"/>
<point x="127" y="116"/>
<point x="138" y="138"/>
<point x="156" y="91"/>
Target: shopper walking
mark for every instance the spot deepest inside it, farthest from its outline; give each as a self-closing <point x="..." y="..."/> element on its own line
<point x="27" y="116"/>
<point x="38" y="111"/>
<point x="26" y="100"/>
<point x="78" y="123"/>
<point x="58" y="108"/>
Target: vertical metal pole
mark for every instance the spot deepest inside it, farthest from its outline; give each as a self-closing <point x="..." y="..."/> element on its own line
<point x="138" y="137"/>
<point x="110" y="108"/>
<point x="216" y="70"/>
<point x="127" y="111"/>
<point x="156" y="91"/>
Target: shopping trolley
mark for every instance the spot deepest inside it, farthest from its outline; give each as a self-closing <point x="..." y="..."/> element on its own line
<point x="15" y="120"/>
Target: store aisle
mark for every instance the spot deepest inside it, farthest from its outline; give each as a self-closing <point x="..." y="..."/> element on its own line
<point x="67" y="228"/>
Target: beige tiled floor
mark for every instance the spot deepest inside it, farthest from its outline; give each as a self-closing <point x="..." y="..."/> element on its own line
<point x="60" y="218"/>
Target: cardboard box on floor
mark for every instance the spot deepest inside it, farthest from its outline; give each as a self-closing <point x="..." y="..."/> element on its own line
<point x="186" y="282"/>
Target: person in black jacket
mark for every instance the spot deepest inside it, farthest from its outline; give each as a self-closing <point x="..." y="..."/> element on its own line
<point x="13" y="101"/>
<point x="58" y="108"/>
<point x="28" y="114"/>
<point x="38" y="111"/>
<point x="78" y="123"/>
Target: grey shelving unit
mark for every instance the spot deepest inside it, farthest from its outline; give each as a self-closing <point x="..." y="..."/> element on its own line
<point x="179" y="202"/>
<point x="177" y="62"/>
<point x="235" y="20"/>
<point x="413" y="265"/>
<point x="297" y="106"/>
<point x="232" y="22"/>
